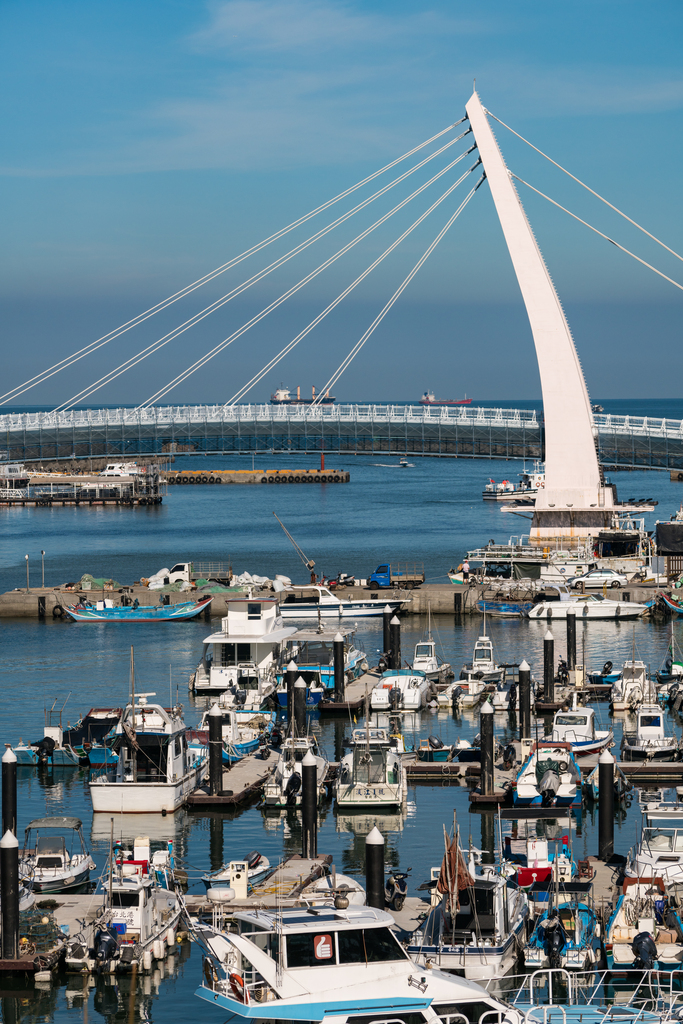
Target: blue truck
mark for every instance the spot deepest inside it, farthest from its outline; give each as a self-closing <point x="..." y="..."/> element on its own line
<point x="404" y="575"/>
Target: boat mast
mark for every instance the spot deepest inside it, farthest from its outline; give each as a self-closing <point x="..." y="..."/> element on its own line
<point x="132" y="691"/>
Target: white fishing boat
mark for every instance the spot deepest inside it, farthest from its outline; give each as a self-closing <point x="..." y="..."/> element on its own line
<point x="527" y="488"/>
<point x="254" y="867"/>
<point x="314" y="601"/>
<point x="241" y="661"/>
<point x="241" y="736"/>
<point x="478" y="925"/>
<point x="332" y="966"/>
<point x="372" y="773"/>
<point x="483" y="667"/>
<point x="155" y="771"/>
<point x="425" y="658"/>
<point x="312" y="651"/>
<point x="50" y="863"/>
<point x="659" y="854"/>
<point x="140" y="914"/>
<point x="283" y="787"/>
<point x="550" y="777"/>
<point x="587" y="606"/>
<point x="577" y="728"/>
<point x="632" y="687"/>
<point x="644" y="907"/>
<point x="649" y="742"/>
<point x="400" y="690"/>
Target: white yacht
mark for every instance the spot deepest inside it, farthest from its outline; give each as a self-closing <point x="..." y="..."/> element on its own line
<point x="649" y="742"/>
<point x="155" y="771"/>
<point x="314" y="601"/>
<point x="632" y="687"/>
<point x="401" y="690"/>
<point x="140" y="914"/>
<point x="46" y="861"/>
<point x="283" y="787"/>
<point x="587" y="606"/>
<point x="333" y="966"/>
<point x="372" y="773"/>
<point x="659" y="854"/>
<point x="428" y="661"/>
<point x="241" y="661"/>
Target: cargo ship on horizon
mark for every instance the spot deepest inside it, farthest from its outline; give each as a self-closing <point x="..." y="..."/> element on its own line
<point x="429" y="399"/>
<point x="283" y="396"/>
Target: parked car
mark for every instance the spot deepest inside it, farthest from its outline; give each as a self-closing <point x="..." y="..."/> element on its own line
<point x="598" y="578"/>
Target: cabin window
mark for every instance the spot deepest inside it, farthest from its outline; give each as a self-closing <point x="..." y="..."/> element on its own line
<point x="309" y="950"/>
<point x="472" y="1011"/>
<point x="227" y="655"/>
<point x="178" y="746"/>
<point x="369" y="766"/>
<point x="371" y="946"/>
<point x="124" y="899"/>
<point x="482" y="654"/>
<point x="423" y="650"/>
<point x="253" y="611"/>
<point x="571" y="720"/>
<point x="244" y="652"/>
<point x="651" y="721"/>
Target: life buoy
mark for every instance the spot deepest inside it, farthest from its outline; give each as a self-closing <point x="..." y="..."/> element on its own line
<point x="238" y="987"/>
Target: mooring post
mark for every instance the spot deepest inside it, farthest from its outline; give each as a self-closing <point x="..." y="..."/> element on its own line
<point x="548" y="668"/>
<point x="338" y="654"/>
<point x="374" y="869"/>
<point x="290" y="679"/>
<point x="524" y="701"/>
<point x="309" y="806"/>
<point x="300" y="707"/>
<point x="571" y="641"/>
<point x="9" y="907"/>
<point x="486" y="717"/>
<point x="387" y="615"/>
<point x="605" y="805"/>
<point x="395" y="643"/>
<point x="215" y="750"/>
<point x="9" y="791"/>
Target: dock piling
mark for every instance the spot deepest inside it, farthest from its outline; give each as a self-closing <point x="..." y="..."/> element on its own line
<point x="290" y="679"/>
<point x="387" y="616"/>
<point x="215" y="750"/>
<point x="309" y="806"/>
<point x="338" y="653"/>
<point x="9" y="791"/>
<point x="299" y="702"/>
<point x="395" y="644"/>
<point x="9" y="908"/>
<point x="548" y="668"/>
<point x="524" y="701"/>
<point x="606" y="805"/>
<point x="486" y="732"/>
<point x="374" y="869"/>
<point x="571" y="641"/>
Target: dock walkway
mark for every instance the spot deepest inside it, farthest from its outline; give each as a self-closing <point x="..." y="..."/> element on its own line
<point x="241" y="782"/>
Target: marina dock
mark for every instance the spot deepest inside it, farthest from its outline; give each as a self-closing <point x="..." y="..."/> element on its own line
<point x="242" y="782"/>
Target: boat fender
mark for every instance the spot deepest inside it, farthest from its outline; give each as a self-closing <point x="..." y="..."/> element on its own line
<point x="57" y="611"/>
<point x="238" y="988"/>
<point x="435" y="743"/>
<point x="210" y="973"/>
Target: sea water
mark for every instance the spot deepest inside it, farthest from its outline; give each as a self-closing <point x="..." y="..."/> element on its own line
<point x="431" y="512"/>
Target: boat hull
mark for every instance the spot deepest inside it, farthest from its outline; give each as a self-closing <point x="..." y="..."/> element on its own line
<point x="346" y="609"/>
<point x="151" y="613"/>
<point x="143" y="798"/>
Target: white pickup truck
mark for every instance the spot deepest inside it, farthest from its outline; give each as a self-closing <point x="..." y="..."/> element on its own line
<point x="188" y="572"/>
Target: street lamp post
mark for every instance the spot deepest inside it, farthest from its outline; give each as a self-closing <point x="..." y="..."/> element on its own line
<point x="42" y="558"/>
<point x="28" y="590"/>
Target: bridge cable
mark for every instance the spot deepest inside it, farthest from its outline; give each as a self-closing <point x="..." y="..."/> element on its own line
<point x="295" y="288"/>
<point x="623" y="248"/>
<point x="378" y="319"/>
<point x="188" y="289"/>
<point x="295" y="341"/>
<point x="255" y="278"/>
<point x="582" y="183"/>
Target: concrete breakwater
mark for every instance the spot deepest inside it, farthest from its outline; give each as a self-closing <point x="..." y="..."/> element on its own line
<point x="256" y="476"/>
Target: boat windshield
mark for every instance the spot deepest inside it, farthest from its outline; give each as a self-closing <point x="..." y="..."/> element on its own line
<point x="353" y="946"/>
<point x="571" y="720"/>
<point x="423" y="651"/>
<point x="664" y="841"/>
<point x="368" y="765"/>
<point x="482" y="654"/>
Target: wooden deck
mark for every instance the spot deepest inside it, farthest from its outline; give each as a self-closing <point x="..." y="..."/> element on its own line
<point x="241" y="783"/>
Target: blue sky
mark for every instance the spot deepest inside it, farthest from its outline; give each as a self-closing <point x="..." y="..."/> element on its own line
<point x="145" y="143"/>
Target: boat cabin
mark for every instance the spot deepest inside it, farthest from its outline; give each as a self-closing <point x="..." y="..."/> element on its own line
<point x="575" y="726"/>
<point x="650" y="723"/>
<point x="151" y="744"/>
<point x="246" y="652"/>
<point x="312" y="650"/>
<point x="308" y="594"/>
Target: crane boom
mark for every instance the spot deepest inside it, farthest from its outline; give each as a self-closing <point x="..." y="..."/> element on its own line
<point x="308" y="562"/>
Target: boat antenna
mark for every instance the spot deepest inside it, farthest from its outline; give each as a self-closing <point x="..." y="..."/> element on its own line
<point x="308" y="562"/>
<point x="111" y="859"/>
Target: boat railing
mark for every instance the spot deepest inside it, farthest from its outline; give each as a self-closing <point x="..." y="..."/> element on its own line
<point x="531" y="1018"/>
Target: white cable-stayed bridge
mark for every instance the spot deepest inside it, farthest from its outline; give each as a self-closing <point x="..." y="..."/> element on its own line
<point x="151" y="428"/>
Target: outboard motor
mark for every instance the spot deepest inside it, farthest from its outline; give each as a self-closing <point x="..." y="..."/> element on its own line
<point x="106" y="946"/>
<point x="606" y="668"/>
<point x="548" y="786"/>
<point x="554" y="939"/>
<point x="253" y="859"/>
<point x="240" y="696"/>
<point x="512" y="696"/>
<point x="644" y="951"/>
<point x="45" y="749"/>
<point x="435" y="743"/>
<point x="456" y="695"/>
<point x="292" y="788"/>
<point x="395" y="697"/>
